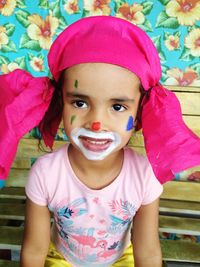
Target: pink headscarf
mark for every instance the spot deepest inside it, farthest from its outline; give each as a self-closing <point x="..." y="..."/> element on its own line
<point x="171" y="147"/>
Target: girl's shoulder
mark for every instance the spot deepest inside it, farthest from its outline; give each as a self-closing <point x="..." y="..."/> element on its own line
<point x="52" y="157"/>
<point x="136" y="158"/>
<point x="141" y="176"/>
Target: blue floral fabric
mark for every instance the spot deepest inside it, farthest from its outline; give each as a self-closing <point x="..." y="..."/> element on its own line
<point x="27" y="29"/>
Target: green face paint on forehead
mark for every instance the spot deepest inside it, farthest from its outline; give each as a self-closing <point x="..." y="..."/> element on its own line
<point x="73" y="117"/>
<point x="76" y="84"/>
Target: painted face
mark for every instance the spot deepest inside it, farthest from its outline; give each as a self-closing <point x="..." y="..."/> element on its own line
<point x="95" y="146"/>
<point x="100" y="104"/>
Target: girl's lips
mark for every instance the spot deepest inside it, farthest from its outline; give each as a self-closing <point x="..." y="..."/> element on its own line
<point x="95" y="145"/>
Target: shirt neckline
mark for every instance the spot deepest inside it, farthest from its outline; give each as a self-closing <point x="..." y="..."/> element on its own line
<point x="85" y="188"/>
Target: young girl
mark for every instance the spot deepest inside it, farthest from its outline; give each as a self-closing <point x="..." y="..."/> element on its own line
<point x="102" y="195"/>
<point x="95" y="186"/>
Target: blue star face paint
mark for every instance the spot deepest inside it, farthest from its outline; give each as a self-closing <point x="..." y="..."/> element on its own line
<point x="130" y="124"/>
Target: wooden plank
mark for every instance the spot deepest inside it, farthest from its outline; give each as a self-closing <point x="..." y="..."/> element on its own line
<point x="7" y="263"/>
<point x="12" y="211"/>
<point x="179" y="207"/>
<point x="11" y="237"/>
<point x="183" y="88"/>
<point x="185" y="191"/>
<point x="19" y="177"/>
<point x="12" y="193"/>
<point x="193" y="122"/>
<point x="21" y="163"/>
<point x="179" y="225"/>
<point x="177" y="250"/>
<point x="190" y="102"/>
<point x="29" y="148"/>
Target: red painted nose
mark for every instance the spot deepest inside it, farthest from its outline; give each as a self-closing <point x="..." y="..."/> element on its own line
<point x="96" y="126"/>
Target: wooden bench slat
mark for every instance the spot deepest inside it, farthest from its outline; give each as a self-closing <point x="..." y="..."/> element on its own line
<point x="188" y="89"/>
<point x="185" y="191"/>
<point x="7" y="263"/>
<point x="179" y="225"/>
<point x="193" y="123"/>
<point x="17" y="177"/>
<point x="21" y="163"/>
<point x="189" y="102"/>
<point x="178" y="250"/>
<point x="12" y="192"/>
<point x="12" y="211"/>
<point x="181" y="207"/>
<point x="11" y="237"/>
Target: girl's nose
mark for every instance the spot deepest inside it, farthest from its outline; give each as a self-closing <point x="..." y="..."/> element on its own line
<point x="96" y="126"/>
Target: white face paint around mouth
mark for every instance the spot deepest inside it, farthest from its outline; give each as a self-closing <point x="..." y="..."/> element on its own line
<point x="95" y="146"/>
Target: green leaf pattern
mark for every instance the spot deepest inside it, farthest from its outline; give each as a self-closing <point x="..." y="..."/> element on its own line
<point x="169" y="30"/>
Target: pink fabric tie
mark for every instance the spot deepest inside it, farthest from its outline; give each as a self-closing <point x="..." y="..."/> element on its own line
<point x="170" y="145"/>
<point x="23" y="102"/>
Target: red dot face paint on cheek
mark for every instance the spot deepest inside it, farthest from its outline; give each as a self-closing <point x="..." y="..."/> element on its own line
<point x="96" y="126"/>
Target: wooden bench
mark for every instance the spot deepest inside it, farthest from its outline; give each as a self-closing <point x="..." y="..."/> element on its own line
<point x="179" y="204"/>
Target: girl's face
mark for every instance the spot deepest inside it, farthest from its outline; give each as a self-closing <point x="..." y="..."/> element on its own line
<point x="100" y="106"/>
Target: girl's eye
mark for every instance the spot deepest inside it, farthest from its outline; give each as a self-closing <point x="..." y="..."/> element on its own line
<point x="79" y="104"/>
<point x="118" y="107"/>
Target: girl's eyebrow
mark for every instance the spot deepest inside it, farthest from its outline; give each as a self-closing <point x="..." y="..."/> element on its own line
<point x="123" y="99"/>
<point x="74" y="94"/>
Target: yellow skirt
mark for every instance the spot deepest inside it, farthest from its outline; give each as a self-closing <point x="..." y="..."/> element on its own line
<point x="55" y="259"/>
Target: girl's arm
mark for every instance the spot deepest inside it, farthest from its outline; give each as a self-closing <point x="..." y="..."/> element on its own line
<point x="145" y="237"/>
<point x="36" y="235"/>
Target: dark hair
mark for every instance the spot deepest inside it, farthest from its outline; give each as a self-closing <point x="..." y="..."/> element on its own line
<point x="53" y="112"/>
<point x="143" y="98"/>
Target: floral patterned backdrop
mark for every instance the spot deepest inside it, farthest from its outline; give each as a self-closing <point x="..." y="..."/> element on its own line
<point x="27" y="29"/>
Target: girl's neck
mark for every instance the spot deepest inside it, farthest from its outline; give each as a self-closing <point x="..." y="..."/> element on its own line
<point x="95" y="174"/>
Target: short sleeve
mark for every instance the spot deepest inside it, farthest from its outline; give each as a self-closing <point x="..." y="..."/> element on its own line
<point x="153" y="188"/>
<point x="35" y="188"/>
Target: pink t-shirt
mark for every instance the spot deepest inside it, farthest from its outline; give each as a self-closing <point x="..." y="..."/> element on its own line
<point x="91" y="227"/>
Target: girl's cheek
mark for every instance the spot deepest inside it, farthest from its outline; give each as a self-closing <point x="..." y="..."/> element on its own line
<point x="130" y="123"/>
